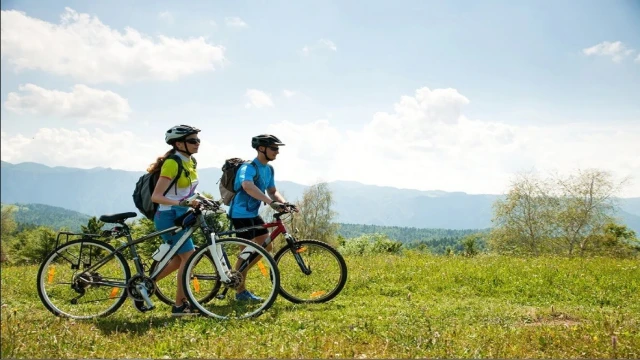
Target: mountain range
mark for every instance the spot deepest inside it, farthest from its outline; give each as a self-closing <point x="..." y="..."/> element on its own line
<point x="100" y="191"/>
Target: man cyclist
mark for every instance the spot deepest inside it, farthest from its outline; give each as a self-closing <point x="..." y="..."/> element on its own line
<point x="244" y="207"/>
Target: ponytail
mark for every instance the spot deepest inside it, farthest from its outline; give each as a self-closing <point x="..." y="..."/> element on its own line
<point x="158" y="163"/>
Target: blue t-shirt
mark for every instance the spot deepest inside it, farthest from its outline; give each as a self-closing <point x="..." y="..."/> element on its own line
<point x="244" y="205"/>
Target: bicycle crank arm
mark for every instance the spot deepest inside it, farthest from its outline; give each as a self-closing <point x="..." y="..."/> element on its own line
<point x="145" y="296"/>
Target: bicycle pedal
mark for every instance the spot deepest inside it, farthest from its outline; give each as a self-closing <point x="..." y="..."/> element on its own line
<point x="141" y="306"/>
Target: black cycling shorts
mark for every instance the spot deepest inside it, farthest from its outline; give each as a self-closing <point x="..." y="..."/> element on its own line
<point x="249" y="234"/>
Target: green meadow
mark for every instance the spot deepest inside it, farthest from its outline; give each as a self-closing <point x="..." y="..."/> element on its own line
<point x="393" y="306"/>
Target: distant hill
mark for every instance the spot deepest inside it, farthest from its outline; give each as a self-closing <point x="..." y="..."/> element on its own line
<point x="50" y="216"/>
<point x="101" y="191"/>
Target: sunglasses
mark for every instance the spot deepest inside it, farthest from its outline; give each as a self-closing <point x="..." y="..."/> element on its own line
<point x="192" y="141"/>
<point x="274" y="148"/>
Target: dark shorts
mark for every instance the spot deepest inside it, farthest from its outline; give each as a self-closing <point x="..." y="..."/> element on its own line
<point x="249" y="234"/>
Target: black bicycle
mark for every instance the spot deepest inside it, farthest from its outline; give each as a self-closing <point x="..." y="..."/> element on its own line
<point x="87" y="277"/>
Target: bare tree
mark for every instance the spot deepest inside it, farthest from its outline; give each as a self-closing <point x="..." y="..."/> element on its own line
<point x="558" y="215"/>
<point x="315" y="220"/>
<point x="586" y="206"/>
<point x="522" y="220"/>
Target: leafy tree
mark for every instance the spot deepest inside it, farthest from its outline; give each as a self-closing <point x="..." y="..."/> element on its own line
<point x="470" y="244"/>
<point x="94" y="226"/>
<point x="32" y="246"/>
<point x="617" y="240"/>
<point x="7" y="229"/>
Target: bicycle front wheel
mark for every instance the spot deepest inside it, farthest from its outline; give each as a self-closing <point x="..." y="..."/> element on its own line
<point x="262" y="280"/>
<point x="204" y="286"/>
<point x="311" y="271"/>
<point x="70" y="286"/>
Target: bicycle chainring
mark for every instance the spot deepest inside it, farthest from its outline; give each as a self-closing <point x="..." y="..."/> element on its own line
<point x="132" y="288"/>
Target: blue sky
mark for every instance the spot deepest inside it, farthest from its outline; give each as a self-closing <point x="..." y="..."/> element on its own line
<point x="455" y="96"/>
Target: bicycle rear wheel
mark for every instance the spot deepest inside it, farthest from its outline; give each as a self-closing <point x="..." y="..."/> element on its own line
<point x="68" y="290"/>
<point x="262" y="280"/>
<point x="310" y="272"/>
<point x="205" y="286"/>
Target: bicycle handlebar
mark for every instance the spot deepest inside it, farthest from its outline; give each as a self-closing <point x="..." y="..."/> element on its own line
<point x="288" y="208"/>
<point x="206" y="203"/>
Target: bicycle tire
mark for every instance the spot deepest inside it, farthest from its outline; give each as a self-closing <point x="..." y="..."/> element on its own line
<point x="227" y="303"/>
<point x="48" y="271"/>
<point x="169" y="301"/>
<point x="315" y="292"/>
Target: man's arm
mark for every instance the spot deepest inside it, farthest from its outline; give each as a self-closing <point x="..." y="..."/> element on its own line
<point x="275" y="195"/>
<point x="255" y="192"/>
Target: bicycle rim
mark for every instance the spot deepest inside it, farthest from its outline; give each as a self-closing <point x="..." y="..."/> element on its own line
<point x="262" y="280"/>
<point x="204" y="286"/>
<point x="327" y="277"/>
<point x="67" y="290"/>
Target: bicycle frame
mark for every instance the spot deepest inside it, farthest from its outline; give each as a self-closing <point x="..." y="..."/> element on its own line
<point x="131" y="243"/>
<point x="278" y="224"/>
<point x="280" y="228"/>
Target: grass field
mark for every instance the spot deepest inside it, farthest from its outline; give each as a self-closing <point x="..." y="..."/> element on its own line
<point x="393" y="306"/>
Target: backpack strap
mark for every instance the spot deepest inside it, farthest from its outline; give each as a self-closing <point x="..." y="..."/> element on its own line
<point x="178" y="160"/>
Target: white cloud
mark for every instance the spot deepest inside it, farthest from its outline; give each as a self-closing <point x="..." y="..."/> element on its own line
<point x="235" y="22"/>
<point x="288" y="93"/>
<point x="166" y="16"/>
<point x="84" y="48"/>
<point x="616" y="50"/>
<point x="89" y="148"/>
<point x="258" y="99"/>
<point x="637" y="59"/>
<point x="428" y="143"/>
<point x="322" y="44"/>
<point x="83" y="103"/>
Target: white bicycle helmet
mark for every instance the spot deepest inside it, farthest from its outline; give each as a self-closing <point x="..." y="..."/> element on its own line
<point x="179" y="132"/>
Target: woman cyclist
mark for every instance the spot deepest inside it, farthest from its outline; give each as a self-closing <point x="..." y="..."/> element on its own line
<point x="172" y="202"/>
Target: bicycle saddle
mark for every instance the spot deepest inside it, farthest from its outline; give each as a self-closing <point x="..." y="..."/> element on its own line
<point x="117" y="217"/>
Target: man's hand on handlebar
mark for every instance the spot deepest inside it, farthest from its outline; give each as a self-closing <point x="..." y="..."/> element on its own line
<point x="277" y="206"/>
<point x="291" y="207"/>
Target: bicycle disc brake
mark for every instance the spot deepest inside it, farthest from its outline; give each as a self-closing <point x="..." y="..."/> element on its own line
<point x="235" y="279"/>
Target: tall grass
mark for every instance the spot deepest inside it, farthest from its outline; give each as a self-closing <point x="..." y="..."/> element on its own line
<point x="393" y="306"/>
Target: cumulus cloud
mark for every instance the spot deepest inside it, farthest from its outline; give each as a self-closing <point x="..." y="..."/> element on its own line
<point x="83" y="103"/>
<point x="288" y="93"/>
<point x="429" y="141"/>
<point x="322" y="44"/>
<point x="235" y="22"/>
<point x="425" y="142"/>
<point x="637" y="60"/>
<point x="82" y="47"/>
<point x="616" y="50"/>
<point x="74" y="148"/>
<point x="258" y="99"/>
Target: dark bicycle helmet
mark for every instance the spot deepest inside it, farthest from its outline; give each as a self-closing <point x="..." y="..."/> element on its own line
<point x="179" y="132"/>
<point x="265" y="140"/>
